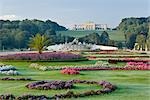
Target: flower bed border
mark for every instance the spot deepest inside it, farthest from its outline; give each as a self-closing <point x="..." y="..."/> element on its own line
<point x="87" y="68"/>
<point x="107" y="88"/>
<point x="15" y="79"/>
<point x="44" y="57"/>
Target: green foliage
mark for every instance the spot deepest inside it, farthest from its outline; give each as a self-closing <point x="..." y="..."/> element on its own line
<point x="130" y="83"/>
<point x="15" y="34"/>
<point x="131" y="39"/>
<point x="133" y="26"/>
<point x="91" y="38"/>
<point x="38" y="42"/>
<point x="148" y="43"/>
<point x="113" y="34"/>
<point x="104" y="38"/>
<point x="141" y="40"/>
<point x="96" y="38"/>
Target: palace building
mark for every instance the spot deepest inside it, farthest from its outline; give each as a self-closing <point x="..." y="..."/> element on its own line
<point x="90" y="26"/>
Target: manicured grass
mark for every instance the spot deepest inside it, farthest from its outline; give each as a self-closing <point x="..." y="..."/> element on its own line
<point x="114" y="35"/>
<point x="132" y="85"/>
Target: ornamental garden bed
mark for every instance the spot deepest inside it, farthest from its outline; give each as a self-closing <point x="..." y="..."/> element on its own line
<point x="99" y="65"/>
<point x="15" y="79"/>
<point x="125" y="81"/>
<point x="107" y="87"/>
<point x="47" y="56"/>
<point x="8" y="70"/>
<point x="16" y="86"/>
<point x="118" y="56"/>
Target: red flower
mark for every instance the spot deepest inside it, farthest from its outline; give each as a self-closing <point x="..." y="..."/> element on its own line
<point x="69" y="71"/>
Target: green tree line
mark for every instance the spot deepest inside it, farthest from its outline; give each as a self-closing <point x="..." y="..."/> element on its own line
<point x="135" y="30"/>
<point x="16" y="34"/>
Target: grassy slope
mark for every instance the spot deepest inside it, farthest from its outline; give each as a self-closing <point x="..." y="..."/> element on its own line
<point x="132" y="85"/>
<point x="114" y="35"/>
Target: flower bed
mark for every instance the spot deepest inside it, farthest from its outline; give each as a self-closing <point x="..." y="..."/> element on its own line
<point x="8" y="70"/>
<point x="39" y="67"/>
<point x="15" y="79"/>
<point x="2" y="64"/>
<point x="107" y="87"/>
<point x="97" y="65"/>
<point x="137" y="66"/>
<point x="70" y="71"/>
<point x="47" y="85"/>
<point x="47" y="56"/>
<point x="127" y="60"/>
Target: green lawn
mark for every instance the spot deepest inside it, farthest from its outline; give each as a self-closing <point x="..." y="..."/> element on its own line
<point x="132" y="85"/>
<point x="114" y="35"/>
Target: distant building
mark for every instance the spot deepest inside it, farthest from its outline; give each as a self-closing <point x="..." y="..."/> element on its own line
<point x="90" y="26"/>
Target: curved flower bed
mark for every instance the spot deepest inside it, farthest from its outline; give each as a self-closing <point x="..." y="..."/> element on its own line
<point x="47" y="85"/>
<point x="107" y="88"/>
<point x="47" y="56"/>
<point x="8" y="70"/>
<point x="69" y="71"/>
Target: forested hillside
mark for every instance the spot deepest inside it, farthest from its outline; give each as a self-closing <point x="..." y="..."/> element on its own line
<point x="133" y="28"/>
<point x="15" y="34"/>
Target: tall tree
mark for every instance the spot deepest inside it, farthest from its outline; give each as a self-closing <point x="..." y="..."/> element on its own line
<point x="104" y="38"/>
<point x="141" y="40"/>
<point x="130" y="40"/>
<point x="91" y="38"/>
<point x="38" y="42"/>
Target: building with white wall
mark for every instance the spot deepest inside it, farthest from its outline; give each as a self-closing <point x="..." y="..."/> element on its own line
<point x="90" y="26"/>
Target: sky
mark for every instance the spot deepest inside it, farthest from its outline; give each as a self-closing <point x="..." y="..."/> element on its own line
<point x="70" y="12"/>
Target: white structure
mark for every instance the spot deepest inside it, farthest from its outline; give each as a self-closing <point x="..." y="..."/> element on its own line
<point x="90" y="26"/>
<point x="75" y="45"/>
